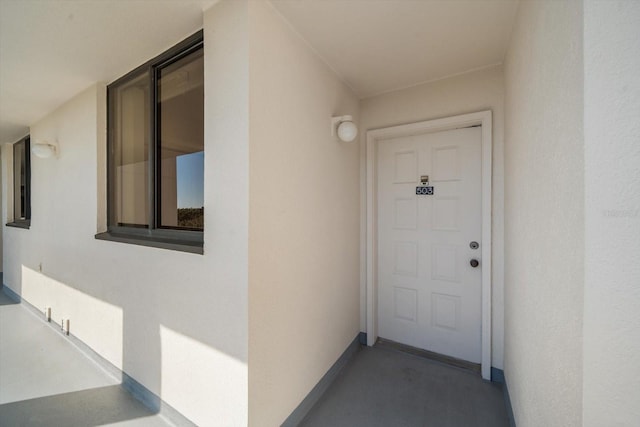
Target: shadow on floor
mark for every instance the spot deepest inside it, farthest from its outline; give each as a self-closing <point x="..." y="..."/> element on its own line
<point x="382" y="387"/>
<point x="47" y="381"/>
<point x="4" y="298"/>
<point x="92" y="407"/>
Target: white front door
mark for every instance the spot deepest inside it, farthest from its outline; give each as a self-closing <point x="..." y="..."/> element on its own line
<point x="429" y="294"/>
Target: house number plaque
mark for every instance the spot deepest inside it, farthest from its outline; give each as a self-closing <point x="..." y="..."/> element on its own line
<point x="425" y="189"/>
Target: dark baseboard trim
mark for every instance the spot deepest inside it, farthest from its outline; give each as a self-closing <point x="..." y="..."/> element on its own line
<point x="507" y="404"/>
<point x="318" y="391"/>
<point x="143" y="394"/>
<point x="137" y="390"/>
<point x="497" y="375"/>
<point x="362" y="338"/>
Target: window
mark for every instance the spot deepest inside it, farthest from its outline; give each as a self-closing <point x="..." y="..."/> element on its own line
<point x="156" y="151"/>
<point x="21" y="184"/>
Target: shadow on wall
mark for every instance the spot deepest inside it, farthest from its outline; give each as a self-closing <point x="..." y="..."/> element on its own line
<point x="27" y="399"/>
<point x="154" y="346"/>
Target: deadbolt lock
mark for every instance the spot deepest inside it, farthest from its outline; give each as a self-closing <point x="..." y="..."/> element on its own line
<point x="474" y="245"/>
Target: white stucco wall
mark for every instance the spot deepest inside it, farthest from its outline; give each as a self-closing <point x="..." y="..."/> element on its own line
<point x="612" y="187"/>
<point x="544" y="214"/>
<point x="467" y="93"/>
<point x="176" y="322"/>
<point x="304" y="220"/>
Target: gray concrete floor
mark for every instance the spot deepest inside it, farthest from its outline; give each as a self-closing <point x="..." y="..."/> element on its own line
<point x="389" y="388"/>
<point x="46" y="381"/>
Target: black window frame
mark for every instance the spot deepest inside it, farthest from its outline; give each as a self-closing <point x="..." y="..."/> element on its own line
<point x="154" y="236"/>
<point x="20" y="222"/>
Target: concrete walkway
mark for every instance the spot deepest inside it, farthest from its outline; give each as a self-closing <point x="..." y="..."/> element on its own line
<point x="46" y="381"/>
<point x="383" y="387"/>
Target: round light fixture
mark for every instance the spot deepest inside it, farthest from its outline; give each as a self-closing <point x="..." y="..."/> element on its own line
<point x="347" y="131"/>
<point x="43" y="150"/>
<point x="344" y="128"/>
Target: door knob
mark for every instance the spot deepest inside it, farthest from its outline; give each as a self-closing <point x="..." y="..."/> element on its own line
<point x="474" y="263"/>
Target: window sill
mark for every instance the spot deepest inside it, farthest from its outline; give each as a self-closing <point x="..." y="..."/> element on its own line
<point x="182" y="246"/>
<point x="20" y="224"/>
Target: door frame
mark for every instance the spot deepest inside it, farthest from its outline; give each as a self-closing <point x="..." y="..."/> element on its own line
<point x="483" y="118"/>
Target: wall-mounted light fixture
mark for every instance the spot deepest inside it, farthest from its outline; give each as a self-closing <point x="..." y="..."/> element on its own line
<point x="344" y="127"/>
<point x="44" y="149"/>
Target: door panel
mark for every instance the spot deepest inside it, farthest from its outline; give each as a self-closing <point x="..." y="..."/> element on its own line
<point x="429" y="296"/>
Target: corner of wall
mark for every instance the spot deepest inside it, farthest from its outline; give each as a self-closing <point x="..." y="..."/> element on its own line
<point x="544" y="230"/>
<point x="611" y="342"/>
<point x="303" y="244"/>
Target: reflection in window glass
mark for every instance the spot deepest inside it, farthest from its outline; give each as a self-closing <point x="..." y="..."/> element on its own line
<point x="130" y="166"/>
<point x="21" y="170"/>
<point x="181" y="143"/>
<point x="155" y="143"/>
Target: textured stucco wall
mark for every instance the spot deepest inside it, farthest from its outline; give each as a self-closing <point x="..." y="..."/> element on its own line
<point x="467" y="93"/>
<point x="612" y="184"/>
<point x="544" y="214"/>
<point x="304" y="220"/>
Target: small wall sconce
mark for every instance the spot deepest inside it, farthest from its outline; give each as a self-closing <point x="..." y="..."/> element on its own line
<point x="344" y="127"/>
<point x="44" y="149"/>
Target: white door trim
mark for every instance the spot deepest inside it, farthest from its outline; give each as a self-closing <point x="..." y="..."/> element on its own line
<point x="482" y="118"/>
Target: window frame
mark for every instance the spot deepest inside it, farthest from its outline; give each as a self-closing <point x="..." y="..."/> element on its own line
<point x="19" y="222"/>
<point x="154" y="235"/>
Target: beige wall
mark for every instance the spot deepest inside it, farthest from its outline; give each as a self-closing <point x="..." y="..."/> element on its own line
<point x="176" y="322"/>
<point x="304" y="220"/>
<point x="612" y="187"/>
<point x="467" y="93"/>
<point x="544" y="214"/>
